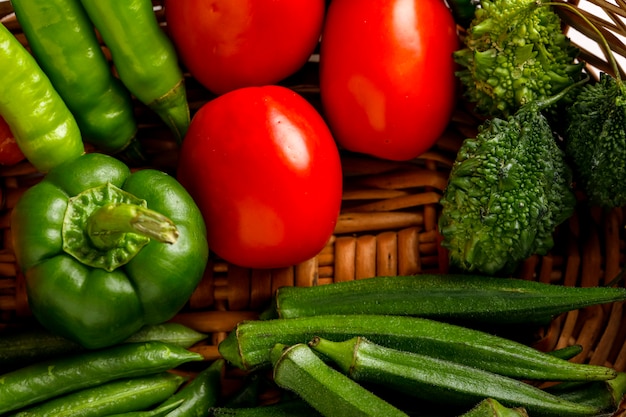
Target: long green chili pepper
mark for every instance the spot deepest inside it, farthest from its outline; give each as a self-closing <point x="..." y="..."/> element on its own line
<point x="64" y="43"/>
<point x="144" y="57"/>
<point x="114" y="397"/>
<point x="200" y="394"/>
<point x="432" y="379"/>
<point x="44" y="128"/>
<point x="45" y="380"/>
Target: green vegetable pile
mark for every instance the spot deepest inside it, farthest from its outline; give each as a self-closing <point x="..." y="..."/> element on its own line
<point x="515" y="53"/>
<point x="514" y="183"/>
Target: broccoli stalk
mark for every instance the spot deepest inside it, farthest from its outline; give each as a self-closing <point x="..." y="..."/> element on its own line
<point x="508" y="189"/>
<point x="515" y="52"/>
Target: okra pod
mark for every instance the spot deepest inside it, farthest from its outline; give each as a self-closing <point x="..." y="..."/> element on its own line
<point x="200" y="394"/>
<point x="145" y="58"/>
<point x="298" y="369"/>
<point x="248" y="345"/>
<point x="605" y="395"/>
<point x="64" y="42"/>
<point x="114" y="397"/>
<point x="492" y="408"/>
<point x="432" y="379"/>
<point x="51" y="378"/>
<point x="472" y="298"/>
<point x="289" y="408"/>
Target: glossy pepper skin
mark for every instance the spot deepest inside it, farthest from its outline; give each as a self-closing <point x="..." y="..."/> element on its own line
<point x="64" y="43"/>
<point x="44" y="128"/>
<point x="145" y="58"/>
<point x="97" y="272"/>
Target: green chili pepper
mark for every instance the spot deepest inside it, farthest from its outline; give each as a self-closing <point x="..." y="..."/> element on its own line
<point x="200" y="394"/>
<point x="113" y="397"/>
<point x="145" y="58"/>
<point x="44" y="128"/>
<point x="64" y="42"/>
<point x="90" y="240"/>
<point x="45" y="380"/>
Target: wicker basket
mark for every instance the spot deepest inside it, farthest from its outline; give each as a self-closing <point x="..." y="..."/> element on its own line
<point x="388" y="226"/>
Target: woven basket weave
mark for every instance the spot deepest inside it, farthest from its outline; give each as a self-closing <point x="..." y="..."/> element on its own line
<point x="388" y="226"/>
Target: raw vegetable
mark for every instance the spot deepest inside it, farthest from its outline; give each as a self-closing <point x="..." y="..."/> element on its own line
<point x="113" y="397"/>
<point x="200" y="394"/>
<point x="144" y="58"/>
<point x="248" y="345"/>
<point x="10" y="152"/>
<point x="238" y="43"/>
<point x="492" y="408"/>
<point x="287" y="408"/>
<point x="160" y="411"/>
<point x="35" y="344"/>
<point x="297" y="369"/>
<point x="63" y="40"/>
<point x="432" y="379"/>
<point x="473" y="298"/>
<point x="605" y="395"/>
<point x="44" y="128"/>
<point x="594" y="136"/>
<point x="515" y="53"/>
<point x="387" y="84"/>
<point x="105" y="251"/>
<point x="48" y="379"/>
<point x="508" y="190"/>
<point x="264" y="185"/>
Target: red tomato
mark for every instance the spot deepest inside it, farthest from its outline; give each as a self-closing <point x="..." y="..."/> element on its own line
<point x="266" y="174"/>
<point x="10" y="152"/>
<point x="227" y="44"/>
<point x="387" y="74"/>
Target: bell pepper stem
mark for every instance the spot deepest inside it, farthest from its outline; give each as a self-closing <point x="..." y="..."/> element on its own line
<point x="109" y="223"/>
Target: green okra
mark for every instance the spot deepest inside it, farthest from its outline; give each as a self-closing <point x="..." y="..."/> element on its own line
<point x="248" y="345"/>
<point x="288" y="408"/>
<point x="492" y="408"/>
<point x="145" y="58"/>
<point x="605" y="395"/>
<point x="45" y="380"/>
<point x="474" y="298"/>
<point x="114" y="397"/>
<point x="567" y="352"/>
<point x="298" y="369"/>
<point x="200" y="394"/>
<point x="432" y="379"/>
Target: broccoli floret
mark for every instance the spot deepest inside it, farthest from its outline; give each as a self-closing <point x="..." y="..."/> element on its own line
<point x="508" y="189"/>
<point x="515" y="52"/>
<point x="596" y="141"/>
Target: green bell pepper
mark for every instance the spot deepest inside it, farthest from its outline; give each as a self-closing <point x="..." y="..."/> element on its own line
<point x="105" y="251"/>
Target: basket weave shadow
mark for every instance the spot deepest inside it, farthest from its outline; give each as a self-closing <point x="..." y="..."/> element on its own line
<point x="388" y="226"/>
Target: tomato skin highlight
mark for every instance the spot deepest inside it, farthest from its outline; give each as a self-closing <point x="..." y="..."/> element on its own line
<point x="229" y="44"/>
<point x="387" y="79"/>
<point x="265" y="171"/>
